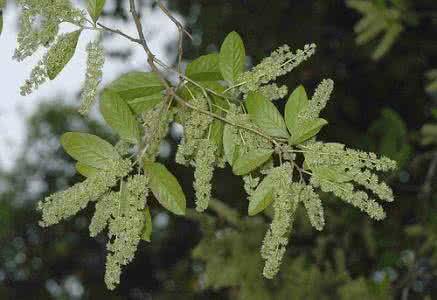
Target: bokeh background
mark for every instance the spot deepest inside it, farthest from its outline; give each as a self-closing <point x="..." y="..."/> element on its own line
<point x="380" y="106"/>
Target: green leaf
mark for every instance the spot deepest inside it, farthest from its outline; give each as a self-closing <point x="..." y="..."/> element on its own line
<point x="144" y="104"/>
<point x="94" y="8"/>
<point x="262" y="197"/>
<point x="251" y="160"/>
<point x="148" y="226"/>
<point x="60" y="53"/>
<point x="228" y="144"/>
<point x="297" y="102"/>
<point x="119" y="116"/>
<point x="86" y="170"/>
<point x="136" y="84"/>
<point x="89" y="149"/>
<point x="265" y="114"/>
<point x="165" y="188"/>
<point x="331" y="173"/>
<point x="307" y="130"/>
<point x="204" y="68"/>
<point x="232" y="57"/>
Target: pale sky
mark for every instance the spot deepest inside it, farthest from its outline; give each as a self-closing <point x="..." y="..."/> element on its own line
<point x="14" y="108"/>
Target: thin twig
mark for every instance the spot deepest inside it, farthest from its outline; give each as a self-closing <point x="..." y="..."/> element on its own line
<point x="119" y="32"/>
<point x="181" y="30"/>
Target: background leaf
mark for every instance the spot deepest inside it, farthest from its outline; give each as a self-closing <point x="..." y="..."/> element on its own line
<point x="136" y="84"/>
<point x="94" y="8"/>
<point x="251" y="160"/>
<point x="232" y="57"/>
<point x="165" y="188"/>
<point x="88" y="149"/>
<point x="265" y="114"/>
<point x="119" y="116"/>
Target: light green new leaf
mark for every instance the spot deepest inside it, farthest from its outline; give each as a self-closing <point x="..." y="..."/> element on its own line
<point x="94" y="8"/>
<point x="232" y="57"/>
<point x="148" y="225"/>
<point x="297" y="102"/>
<point x="228" y="144"/>
<point x="136" y="84"/>
<point x="204" y="68"/>
<point x="165" y="188"/>
<point x="146" y="103"/>
<point x="86" y="170"/>
<point x="251" y="160"/>
<point x="89" y="149"/>
<point x="307" y="130"/>
<point x="61" y="52"/>
<point x="119" y="116"/>
<point x="262" y="197"/>
<point x="265" y="114"/>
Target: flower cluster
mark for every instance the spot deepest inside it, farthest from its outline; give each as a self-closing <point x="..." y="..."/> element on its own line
<point x="93" y="75"/>
<point x="67" y="203"/>
<point x="204" y="163"/>
<point x="155" y="124"/>
<point x="125" y="228"/>
<point x="280" y="62"/>
<point x="334" y="168"/>
<point x="285" y="204"/>
<point x="244" y="139"/>
<point x="195" y="129"/>
<point x="39" y="23"/>
<point x="318" y="101"/>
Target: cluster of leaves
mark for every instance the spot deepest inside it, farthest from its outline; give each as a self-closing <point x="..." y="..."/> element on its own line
<point x="228" y="115"/>
<point x="379" y="18"/>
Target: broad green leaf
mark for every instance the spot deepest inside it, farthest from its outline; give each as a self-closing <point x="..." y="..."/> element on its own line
<point x="204" y="68"/>
<point x="94" y="8"/>
<point x="89" y="149"/>
<point x="136" y="84"/>
<point x="307" y="130"/>
<point x="119" y="116"/>
<point x="216" y="134"/>
<point x="143" y="104"/>
<point x="331" y="173"/>
<point x="148" y="225"/>
<point x="262" y="197"/>
<point x="228" y="144"/>
<point x="86" y="170"/>
<point x="232" y="57"/>
<point x="297" y="102"/>
<point x="61" y="52"/>
<point x="265" y="114"/>
<point x="251" y="160"/>
<point x="165" y="188"/>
